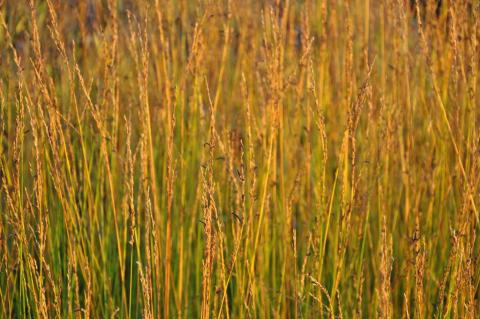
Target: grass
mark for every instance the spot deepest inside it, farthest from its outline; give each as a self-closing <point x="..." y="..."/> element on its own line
<point x="233" y="159"/>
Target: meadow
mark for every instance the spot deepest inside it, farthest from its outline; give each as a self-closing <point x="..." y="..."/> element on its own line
<point x="239" y="159"/>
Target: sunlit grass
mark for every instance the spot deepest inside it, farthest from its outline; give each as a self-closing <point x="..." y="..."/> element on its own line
<point x="236" y="159"/>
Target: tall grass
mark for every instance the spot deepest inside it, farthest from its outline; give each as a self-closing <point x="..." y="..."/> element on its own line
<point x="233" y="159"/>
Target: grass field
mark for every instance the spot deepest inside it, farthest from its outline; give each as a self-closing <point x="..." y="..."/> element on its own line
<point x="239" y="159"/>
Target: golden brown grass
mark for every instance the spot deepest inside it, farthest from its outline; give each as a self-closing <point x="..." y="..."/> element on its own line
<point x="232" y="159"/>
